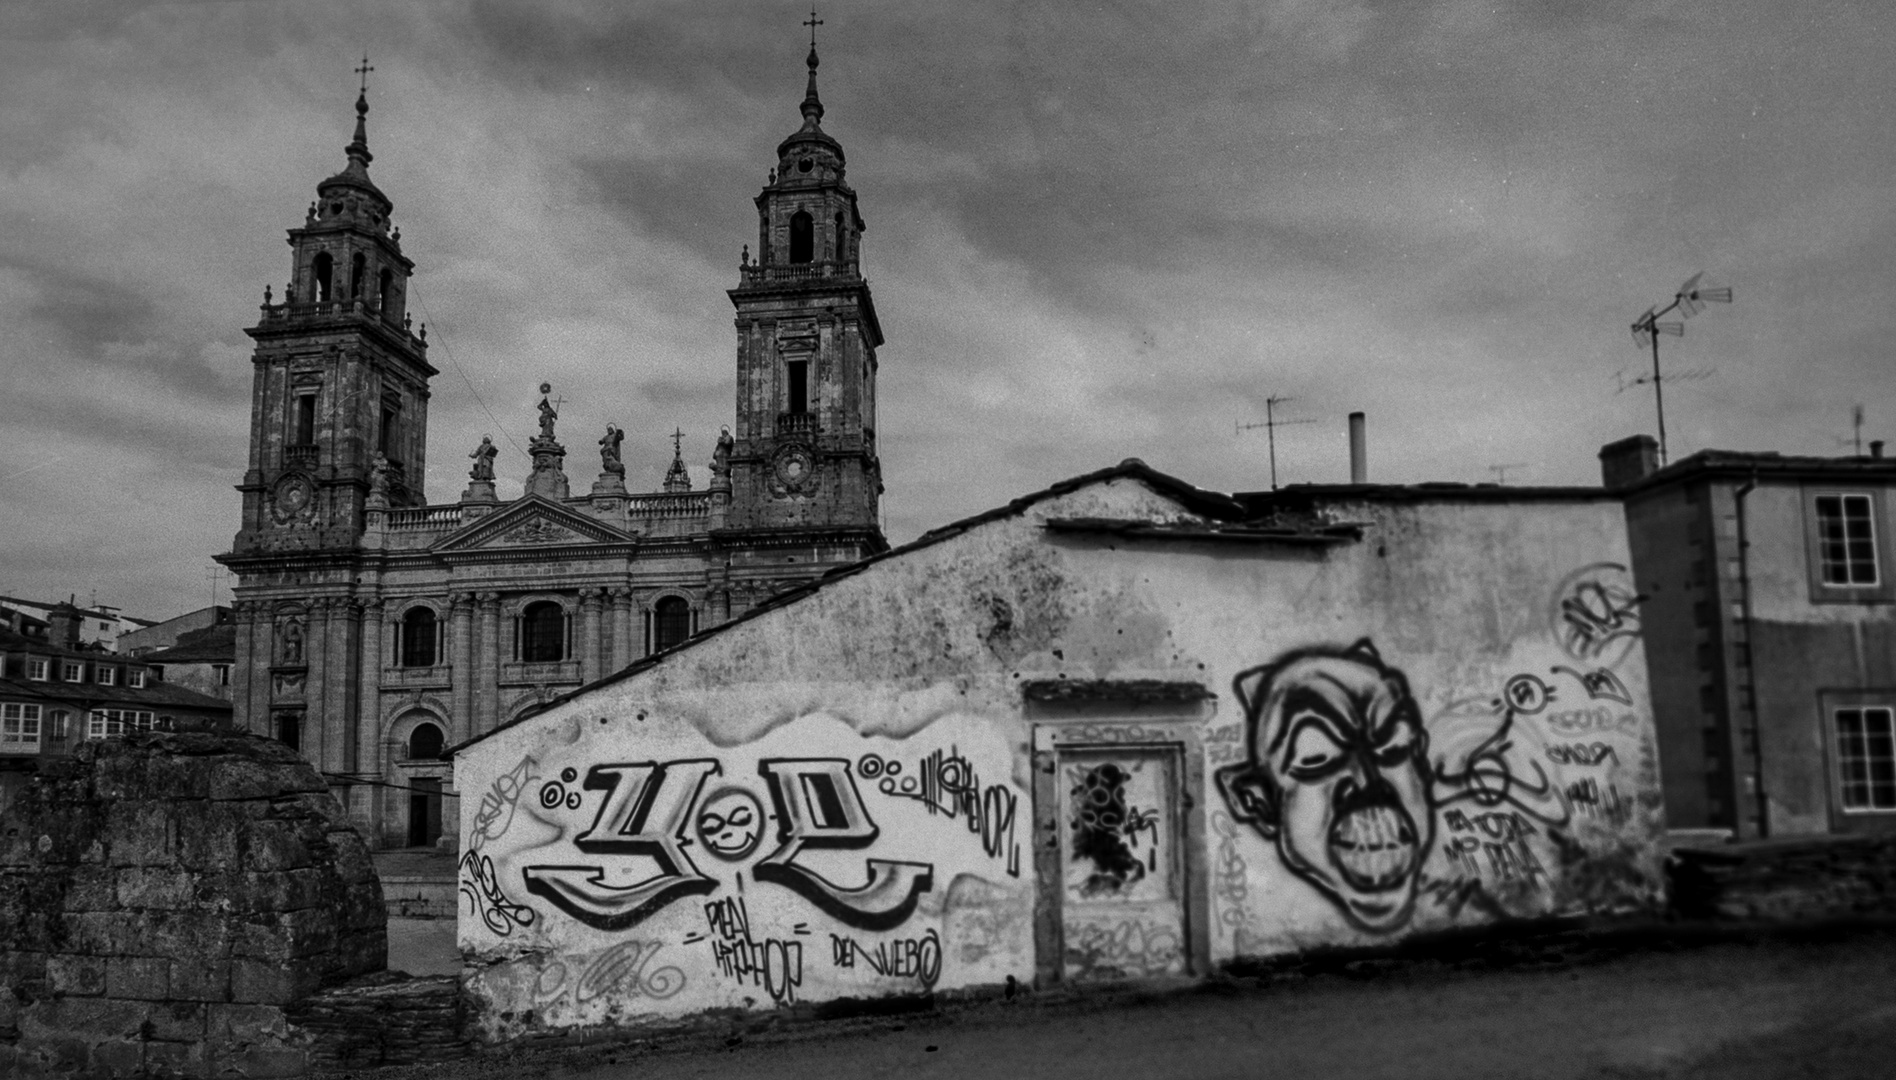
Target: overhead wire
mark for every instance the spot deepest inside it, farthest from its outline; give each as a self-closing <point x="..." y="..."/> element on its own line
<point x="415" y="293"/>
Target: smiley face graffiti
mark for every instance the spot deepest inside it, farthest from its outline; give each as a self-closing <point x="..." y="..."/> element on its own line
<point x="730" y="823"/>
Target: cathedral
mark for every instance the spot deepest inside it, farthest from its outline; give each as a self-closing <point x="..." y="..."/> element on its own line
<point x="375" y="626"/>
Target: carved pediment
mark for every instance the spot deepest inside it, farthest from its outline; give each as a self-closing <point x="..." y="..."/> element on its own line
<point x="532" y="521"/>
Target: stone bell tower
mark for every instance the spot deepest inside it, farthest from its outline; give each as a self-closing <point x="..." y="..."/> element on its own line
<point x="339" y="402"/>
<point x="804" y="454"/>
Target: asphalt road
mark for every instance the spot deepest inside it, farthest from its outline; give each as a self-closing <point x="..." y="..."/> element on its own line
<point x="1730" y="1010"/>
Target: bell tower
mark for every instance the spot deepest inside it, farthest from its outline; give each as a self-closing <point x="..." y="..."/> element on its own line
<point x="804" y="451"/>
<point x="339" y="401"/>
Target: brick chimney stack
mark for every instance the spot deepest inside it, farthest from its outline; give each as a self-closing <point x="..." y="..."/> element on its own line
<point x="62" y="625"/>
<point x="1628" y="461"/>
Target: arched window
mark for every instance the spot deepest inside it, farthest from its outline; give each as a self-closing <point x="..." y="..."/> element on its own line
<point x="671" y="623"/>
<point x="420" y="630"/>
<point x="357" y="268"/>
<point x="802" y="237"/>
<point x="381" y="292"/>
<point x="542" y="633"/>
<point x="289" y="729"/>
<point x="425" y="743"/>
<point x="324" y="269"/>
<point x="841" y="255"/>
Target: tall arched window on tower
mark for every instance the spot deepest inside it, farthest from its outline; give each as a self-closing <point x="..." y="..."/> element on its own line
<point x="303" y="420"/>
<point x="420" y="638"/>
<point x="381" y="292"/>
<point x="671" y="623"/>
<point x="802" y="237"/>
<point x="542" y="633"/>
<point x="842" y="253"/>
<point x="358" y="268"/>
<point x="324" y="270"/>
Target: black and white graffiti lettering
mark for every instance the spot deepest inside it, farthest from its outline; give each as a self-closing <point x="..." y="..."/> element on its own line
<point x="774" y="964"/>
<point x="1600" y="684"/>
<point x="899" y="958"/>
<point x="496" y="811"/>
<point x="1582" y="754"/>
<point x="947" y="784"/>
<point x="621" y="970"/>
<point x="480" y="887"/>
<point x="818" y="806"/>
<point x="730" y="823"/>
<point x="642" y="814"/>
<point x="1595" y="613"/>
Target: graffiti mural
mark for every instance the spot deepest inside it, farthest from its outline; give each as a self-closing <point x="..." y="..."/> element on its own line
<point x="1380" y="811"/>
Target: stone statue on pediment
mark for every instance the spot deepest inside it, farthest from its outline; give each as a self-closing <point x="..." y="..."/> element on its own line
<point x="483" y="456"/>
<point x="609" y="459"/>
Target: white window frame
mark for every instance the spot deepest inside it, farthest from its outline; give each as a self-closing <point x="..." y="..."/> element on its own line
<point x="112" y="723"/>
<point x="135" y="678"/>
<point x="38" y="670"/>
<point x="1865" y="713"/>
<point x="72" y="671"/>
<point x="222" y="673"/>
<point x="1845" y="500"/>
<point x="60" y="723"/>
<point x="105" y="675"/>
<point x="19" y="727"/>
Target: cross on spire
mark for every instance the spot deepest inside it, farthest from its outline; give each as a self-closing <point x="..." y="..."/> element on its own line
<point x="678" y="442"/>
<point x="365" y="69"/>
<point x="813" y="22"/>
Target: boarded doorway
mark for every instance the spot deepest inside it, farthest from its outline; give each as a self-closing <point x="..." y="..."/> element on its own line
<point x="1122" y="879"/>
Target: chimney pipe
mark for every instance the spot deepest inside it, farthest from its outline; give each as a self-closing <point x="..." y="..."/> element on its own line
<point x="1359" y="450"/>
<point x="1876" y="448"/>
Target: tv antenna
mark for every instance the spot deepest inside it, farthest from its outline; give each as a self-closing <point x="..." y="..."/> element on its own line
<point x="1647" y="329"/>
<point x="1270" y="425"/>
<point x="1856" y="434"/>
<point x="1501" y="471"/>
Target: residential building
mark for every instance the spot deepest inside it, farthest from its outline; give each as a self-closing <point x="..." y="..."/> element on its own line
<point x="373" y="625"/>
<point x="201" y="660"/>
<point x="166" y="633"/>
<point x="98" y="625"/>
<point x="1768" y="596"/>
<point x="1118" y="728"/>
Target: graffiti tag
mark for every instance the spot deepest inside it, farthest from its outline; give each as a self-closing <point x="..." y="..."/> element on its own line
<point x="901" y="958"/>
<point x="947" y="784"/>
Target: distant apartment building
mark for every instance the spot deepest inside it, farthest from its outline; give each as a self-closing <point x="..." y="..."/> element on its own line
<point x="98" y="625"/>
<point x="1768" y="600"/>
<point x="149" y="638"/>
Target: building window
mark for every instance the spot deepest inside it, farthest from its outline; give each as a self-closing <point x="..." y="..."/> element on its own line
<point x="111" y="723"/>
<point x="19" y="728"/>
<point x="425" y="743"/>
<point x="1846" y="539"/>
<point x="799" y="372"/>
<point x="671" y="623"/>
<point x="304" y="433"/>
<point x="289" y="730"/>
<point x="324" y="269"/>
<point x="420" y="638"/>
<point x="135" y="678"/>
<point x="381" y="294"/>
<point x="72" y="671"/>
<point x="358" y="266"/>
<point x="542" y="633"/>
<point x="36" y="670"/>
<point x="106" y="676"/>
<point x="61" y="724"/>
<point x="1866" y="756"/>
<point x="221" y="672"/>
<point x="840" y="255"/>
<point x="802" y="237"/>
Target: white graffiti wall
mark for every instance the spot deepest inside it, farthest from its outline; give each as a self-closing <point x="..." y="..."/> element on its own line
<point x="629" y="866"/>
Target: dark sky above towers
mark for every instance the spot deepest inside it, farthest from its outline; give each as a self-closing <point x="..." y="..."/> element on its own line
<point x="1095" y="231"/>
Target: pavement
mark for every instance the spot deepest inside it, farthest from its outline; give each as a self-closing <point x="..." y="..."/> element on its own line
<point x="1663" y="1002"/>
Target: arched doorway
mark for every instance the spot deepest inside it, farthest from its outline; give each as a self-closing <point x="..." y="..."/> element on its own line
<point x="424" y="792"/>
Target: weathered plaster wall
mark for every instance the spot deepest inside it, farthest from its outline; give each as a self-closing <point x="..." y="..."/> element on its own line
<point x="1485" y="751"/>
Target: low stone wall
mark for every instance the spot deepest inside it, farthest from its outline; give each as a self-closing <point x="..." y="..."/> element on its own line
<point x="421" y="897"/>
<point x="162" y="897"/>
<point x="1783" y="880"/>
<point x="384" y="1019"/>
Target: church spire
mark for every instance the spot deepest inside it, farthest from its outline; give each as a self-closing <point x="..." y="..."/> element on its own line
<point x="812" y="105"/>
<point x="358" y="149"/>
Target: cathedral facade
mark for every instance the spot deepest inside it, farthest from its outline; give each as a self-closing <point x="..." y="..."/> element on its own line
<point x="374" y="626"/>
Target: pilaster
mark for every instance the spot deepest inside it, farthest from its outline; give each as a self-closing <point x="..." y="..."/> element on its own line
<point x="487" y="714"/>
<point x="589" y="602"/>
<point x="461" y="646"/>
<point x="369" y="701"/>
<point x="621" y="627"/>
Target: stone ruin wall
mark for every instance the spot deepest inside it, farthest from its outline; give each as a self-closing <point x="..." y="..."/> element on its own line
<point x="164" y="896"/>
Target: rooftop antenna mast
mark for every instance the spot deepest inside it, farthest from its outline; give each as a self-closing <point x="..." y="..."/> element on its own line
<point x="1270" y="426"/>
<point x="1647" y="329"/>
<point x="1501" y="471"/>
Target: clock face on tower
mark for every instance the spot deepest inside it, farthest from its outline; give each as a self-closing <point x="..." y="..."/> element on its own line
<point x="292" y="498"/>
<point x="793" y="467"/>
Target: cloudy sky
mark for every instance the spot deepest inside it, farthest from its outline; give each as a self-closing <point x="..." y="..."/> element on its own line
<point x="1096" y="231"/>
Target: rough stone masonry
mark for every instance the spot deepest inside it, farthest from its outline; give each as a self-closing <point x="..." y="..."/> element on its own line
<point x="162" y="897"/>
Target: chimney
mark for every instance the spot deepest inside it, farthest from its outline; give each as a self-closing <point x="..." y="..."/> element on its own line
<point x="1876" y="448"/>
<point x="1628" y="461"/>
<point x="1359" y="449"/>
<point x="62" y="626"/>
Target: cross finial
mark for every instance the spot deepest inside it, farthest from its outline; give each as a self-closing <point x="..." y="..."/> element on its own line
<point x="678" y="442"/>
<point x="813" y="22"/>
<point x="364" y="72"/>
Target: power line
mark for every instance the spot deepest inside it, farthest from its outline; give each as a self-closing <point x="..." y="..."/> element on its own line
<point x="456" y="365"/>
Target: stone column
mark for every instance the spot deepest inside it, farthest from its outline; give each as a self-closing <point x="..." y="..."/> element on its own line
<point x="588" y="644"/>
<point x="242" y="662"/>
<point x="317" y="737"/>
<point x="263" y="654"/>
<point x="369" y="698"/>
<point x="344" y="678"/>
<point x="487" y="715"/>
<point x="461" y="649"/>
<point x="622" y="647"/>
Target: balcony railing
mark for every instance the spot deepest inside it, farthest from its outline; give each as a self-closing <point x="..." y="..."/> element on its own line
<point x="336" y="309"/>
<point x="760" y="273"/>
<point x="796" y="423"/>
<point x="423" y="519"/>
<point x="670" y="505"/>
<point x="300" y="456"/>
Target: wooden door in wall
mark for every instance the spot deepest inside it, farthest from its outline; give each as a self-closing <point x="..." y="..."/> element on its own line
<point x="1122" y="866"/>
<point x="424" y="811"/>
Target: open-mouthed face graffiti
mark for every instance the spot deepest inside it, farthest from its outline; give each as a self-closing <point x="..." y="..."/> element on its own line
<point x="1338" y="775"/>
<point x="730" y="822"/>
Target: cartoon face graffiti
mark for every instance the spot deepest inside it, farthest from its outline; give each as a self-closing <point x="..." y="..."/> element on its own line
<point x="730" y="823"/>
<point x="1338" y="776"/>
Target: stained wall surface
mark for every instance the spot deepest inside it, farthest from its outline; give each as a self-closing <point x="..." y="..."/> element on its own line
<point x="1068" y="753"/>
